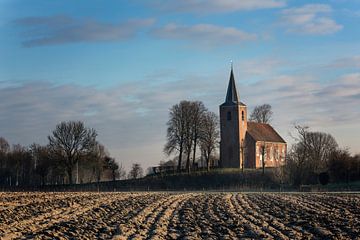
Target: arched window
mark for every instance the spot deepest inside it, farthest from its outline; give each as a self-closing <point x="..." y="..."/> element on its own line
<point x="228" y="116"/>
<point x="242" y="115"/>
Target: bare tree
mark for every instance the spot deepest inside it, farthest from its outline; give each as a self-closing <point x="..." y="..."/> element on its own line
<point x="4" y="149"/>
<point x="317" y="147"/>
<point x="309" y="155"/>
<point x="71" y="141"/>
<point x="176" y="131"/>
<point x="188" y="116"/>
<point x="42" y="161"/>
<point x="341" y="164"/>
<point x="19" y="161"/>
<point x="97" y="160"/>
<point x="136" y="171"/>
<point x="116" y="170"/>
<point x="198" y="112"/>
<point x="261" y="114"/>
<point x="122" y="172"/>
<point x="184" y="130"/>
<point x="209" y="135"/>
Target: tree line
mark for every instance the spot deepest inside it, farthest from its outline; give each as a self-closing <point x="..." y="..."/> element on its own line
<point x="317" y="154"/>
<point x="72" y="155"/>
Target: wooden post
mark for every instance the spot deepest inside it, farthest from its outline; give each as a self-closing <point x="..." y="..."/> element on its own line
<point x="263" y="157"/>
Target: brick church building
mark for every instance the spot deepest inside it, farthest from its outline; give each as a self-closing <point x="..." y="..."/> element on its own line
<point x="246" y="144"/>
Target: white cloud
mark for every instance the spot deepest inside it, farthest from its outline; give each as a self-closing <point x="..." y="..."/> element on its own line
<point x="54" y="30"/>
<point x="207" y="34"/>
<point x="310" y="19"/>
<point x="348" y="86"/>
<point x="346" y="62"/>
<point x="215" y="6"/>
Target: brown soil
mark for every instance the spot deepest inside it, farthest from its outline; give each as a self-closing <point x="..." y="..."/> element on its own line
<point x="179" y="216"/>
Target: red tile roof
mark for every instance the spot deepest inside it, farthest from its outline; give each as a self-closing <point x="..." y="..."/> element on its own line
<point x="263" y="132"/>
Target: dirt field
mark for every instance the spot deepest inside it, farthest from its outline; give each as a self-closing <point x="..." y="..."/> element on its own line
<point x="179" y="215"/>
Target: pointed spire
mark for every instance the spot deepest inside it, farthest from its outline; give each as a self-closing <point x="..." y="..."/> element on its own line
<point x="231" y="95"/>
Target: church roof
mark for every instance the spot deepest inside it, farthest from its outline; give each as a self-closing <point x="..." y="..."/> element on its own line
<point x="263" y="132"/>
<point x="232" y="97"/>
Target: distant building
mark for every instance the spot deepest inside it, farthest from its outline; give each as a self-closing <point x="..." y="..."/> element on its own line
<point x="243" y="143"/>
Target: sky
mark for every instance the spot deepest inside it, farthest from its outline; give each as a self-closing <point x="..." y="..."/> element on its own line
<point x="119" y="66"/>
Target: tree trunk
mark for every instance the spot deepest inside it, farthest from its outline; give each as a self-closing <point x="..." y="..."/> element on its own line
<point x="98" y="176"/>
<point x="208" y="163"/>
<point x="180" y="157"/>
<point x="194" y="152"/>
<point x="188" y="161"/>
<point x="69" y="172"/>
<point x="208" y="159"/>
<point x="17" y="177"/>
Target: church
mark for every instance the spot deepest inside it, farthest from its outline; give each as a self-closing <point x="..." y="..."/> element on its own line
<point x="246" y="144"/>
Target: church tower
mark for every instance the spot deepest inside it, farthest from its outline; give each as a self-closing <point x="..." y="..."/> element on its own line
<point x="233" y="127"/>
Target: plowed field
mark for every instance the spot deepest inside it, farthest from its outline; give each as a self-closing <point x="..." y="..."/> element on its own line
<point x="179" y="216"/>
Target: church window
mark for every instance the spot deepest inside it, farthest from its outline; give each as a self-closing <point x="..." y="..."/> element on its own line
<point x="228" y="116"/>
<point x="242" y="115"/>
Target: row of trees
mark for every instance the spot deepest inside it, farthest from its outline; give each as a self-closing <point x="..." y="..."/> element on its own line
<point x="316" y="153"/>
<point x="191" y="127"/>
<point x="72" y="151"/>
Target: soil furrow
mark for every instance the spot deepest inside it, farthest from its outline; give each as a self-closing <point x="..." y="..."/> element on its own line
<point x="151" y="215"/>
<point x="254" y="229"/>
<point x="136" y="223"/>
<point x="39" y="222"/>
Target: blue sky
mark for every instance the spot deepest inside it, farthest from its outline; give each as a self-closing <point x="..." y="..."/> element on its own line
<point x="120" y="65"/>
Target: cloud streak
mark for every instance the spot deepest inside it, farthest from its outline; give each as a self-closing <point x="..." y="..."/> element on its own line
<point x="310" y="19"/>
<point x="215" y="6"/>
<point x="55" y="30"/>
<point x="346" y="62"/>
<point x="207" y="34"/>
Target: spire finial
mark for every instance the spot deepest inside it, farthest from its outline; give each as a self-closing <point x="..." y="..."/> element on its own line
<point x="231" y="62"/>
